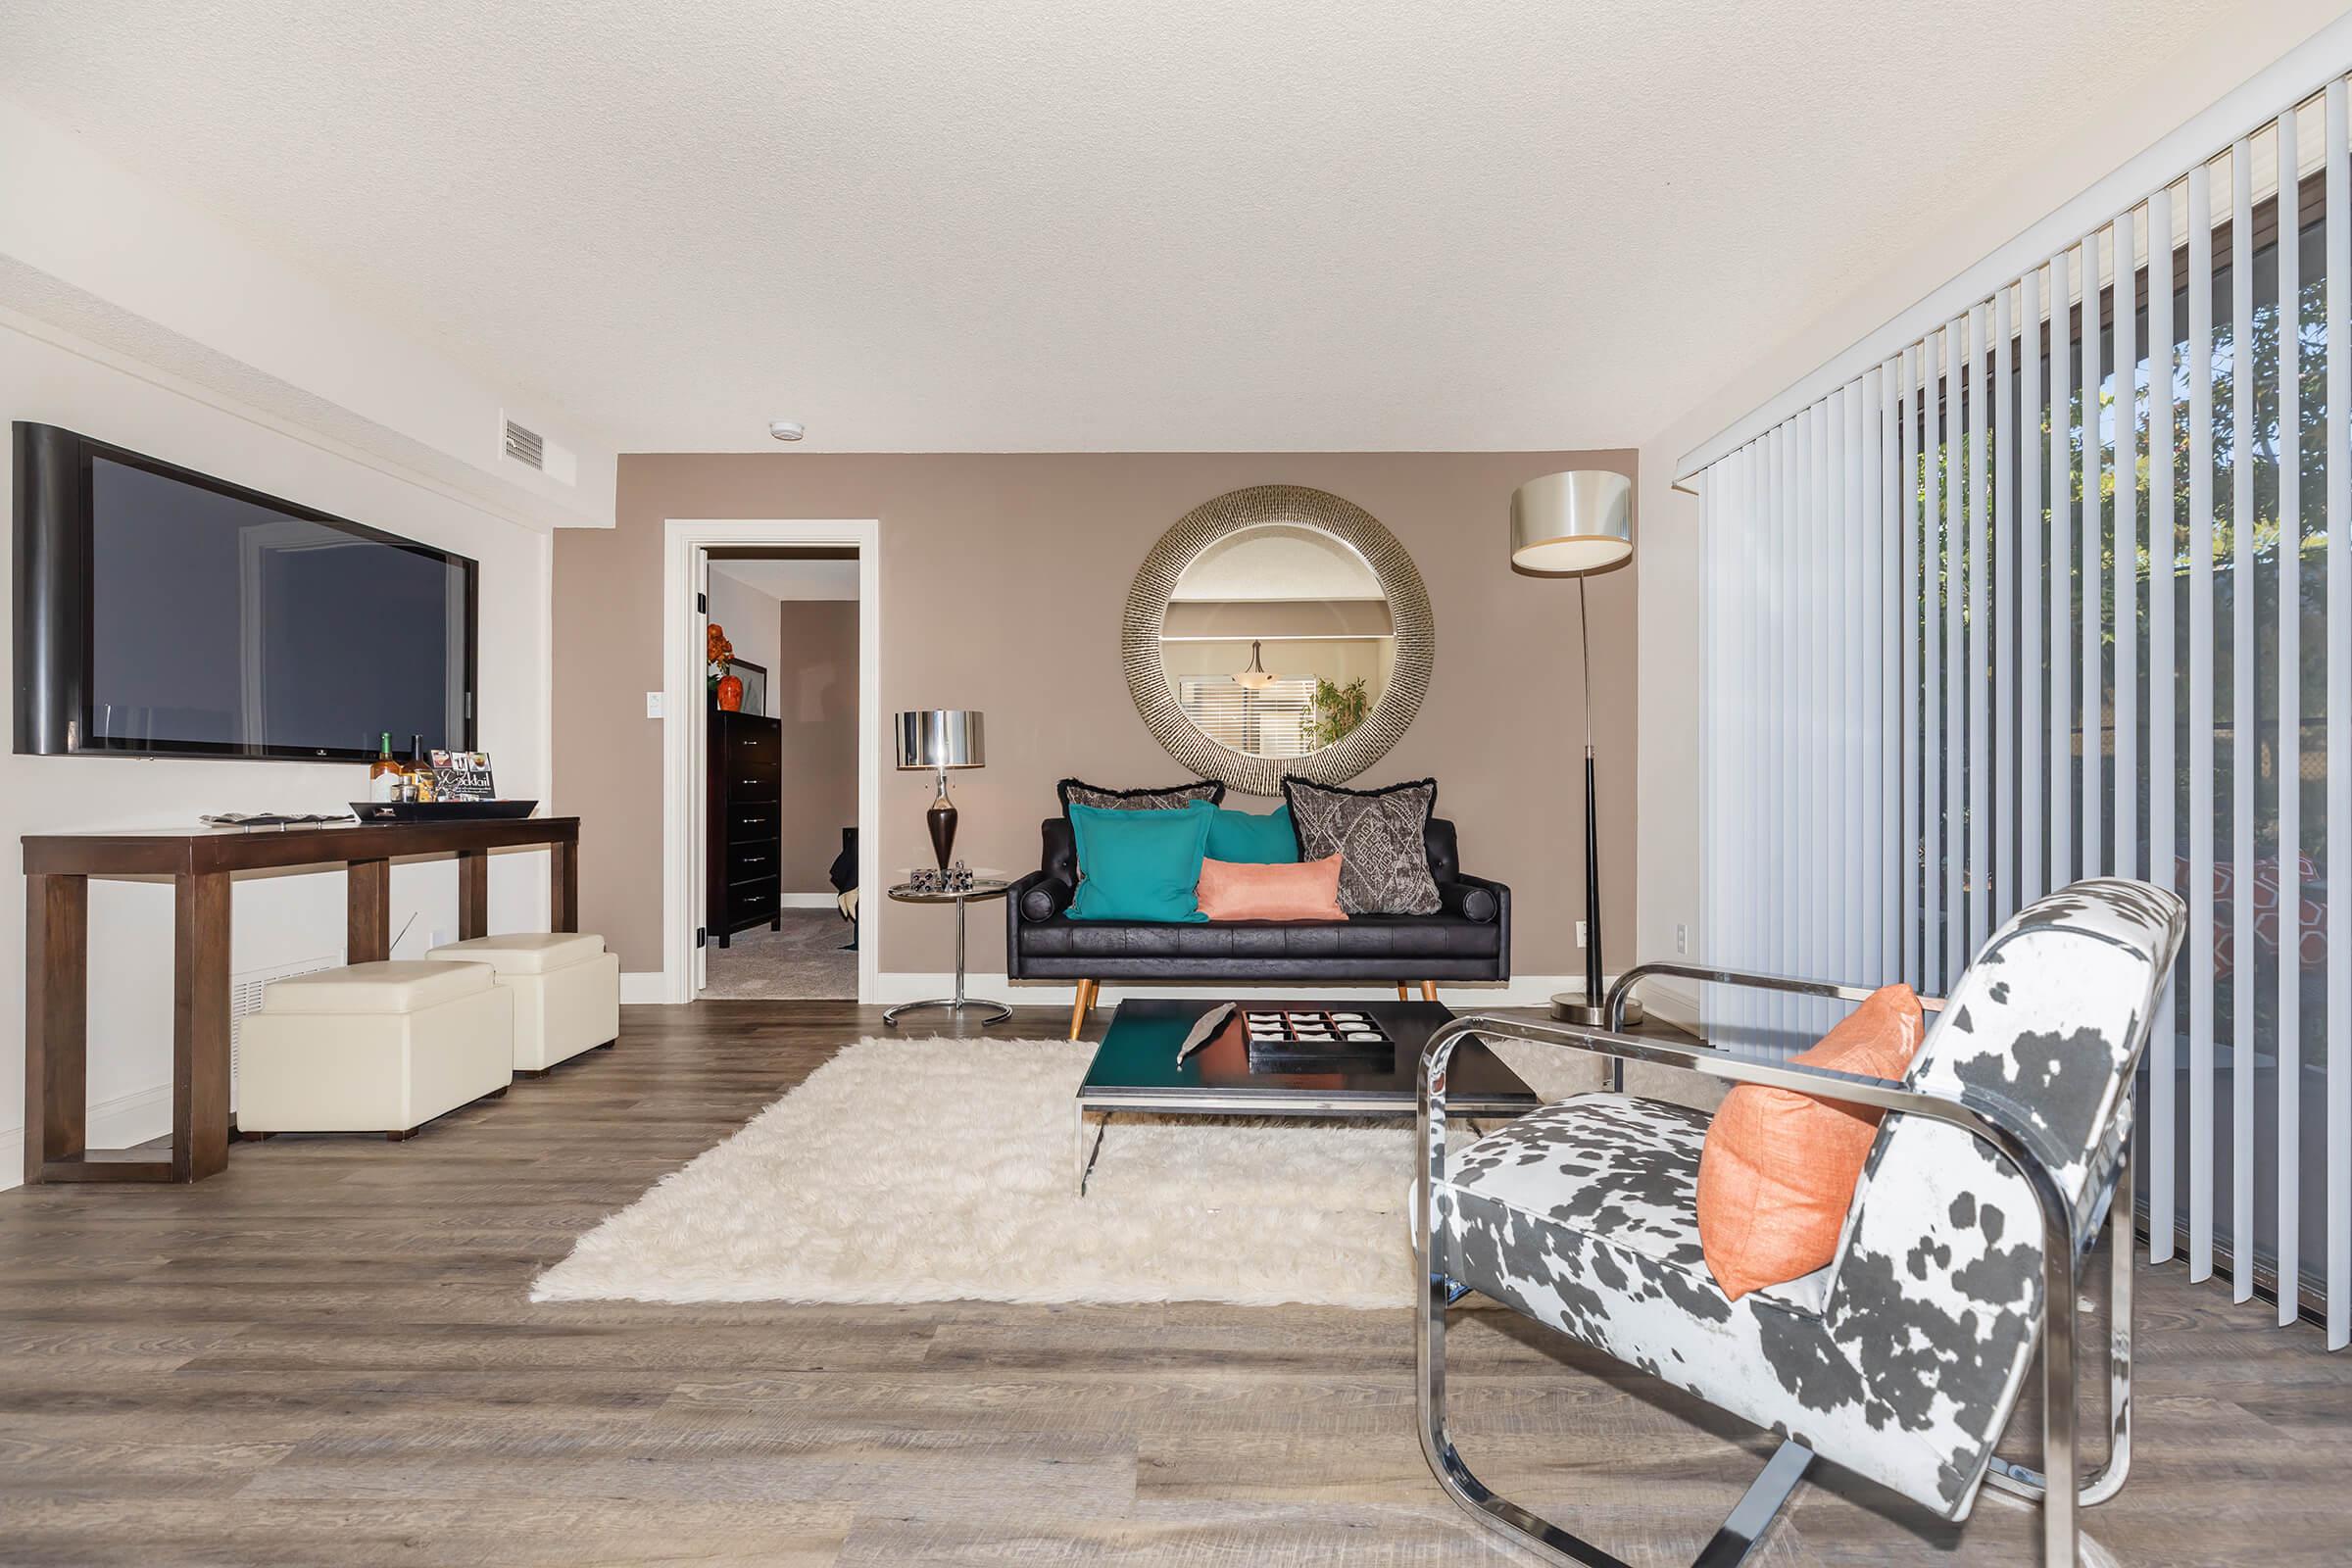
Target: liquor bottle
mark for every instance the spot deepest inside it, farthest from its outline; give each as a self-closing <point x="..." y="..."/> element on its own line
<point x="420" y="785"/>
<point x="384" y="775"/>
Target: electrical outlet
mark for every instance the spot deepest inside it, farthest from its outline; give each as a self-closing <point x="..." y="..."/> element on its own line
<point x="653" y="704"/>
<point x="440" y="939"/>
<point x="1580" y="933"/>
<point x="1681" y="941"/>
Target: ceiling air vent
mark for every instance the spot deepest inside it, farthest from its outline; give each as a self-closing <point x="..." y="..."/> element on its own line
<point x="527" y="446"/>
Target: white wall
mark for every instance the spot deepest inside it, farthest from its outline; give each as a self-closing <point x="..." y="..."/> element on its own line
<point x="115" y="260"/>
<point x="1754" y="373"/>
<point x="754" y="620"/>
<point x="282" y="919"/>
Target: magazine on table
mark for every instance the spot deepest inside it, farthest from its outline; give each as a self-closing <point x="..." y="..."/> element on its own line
<point x="463" y="776"/>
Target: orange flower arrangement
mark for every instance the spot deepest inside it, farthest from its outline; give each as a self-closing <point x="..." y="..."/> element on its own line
<point x="726" y="691"/>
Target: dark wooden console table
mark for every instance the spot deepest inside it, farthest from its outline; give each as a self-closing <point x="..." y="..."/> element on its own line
<point x="57" y="867"/>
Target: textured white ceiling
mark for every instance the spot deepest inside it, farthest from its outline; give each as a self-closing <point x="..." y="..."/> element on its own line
<point x="1274" y="561"/>
<point x="1034" y="226"/>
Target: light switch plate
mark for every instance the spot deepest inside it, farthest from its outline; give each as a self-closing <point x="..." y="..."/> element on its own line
<point x="653" y="704"/>
<point x="1580" y="933"/>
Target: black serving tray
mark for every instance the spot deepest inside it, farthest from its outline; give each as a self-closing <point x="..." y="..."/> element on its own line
<point x="441" y="810"/>
<point x="1321" y="1055"/>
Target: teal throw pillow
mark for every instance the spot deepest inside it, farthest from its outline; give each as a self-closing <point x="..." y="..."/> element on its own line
<point x="1139" y="865"/>
<point x="1253" y="838"/>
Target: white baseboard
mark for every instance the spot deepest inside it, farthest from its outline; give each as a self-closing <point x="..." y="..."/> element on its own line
<point x="1671" y="1003"/>
<point x="807" y="901"/>
<point x="894" y="987"/>
<point x="132" y="1118"/>
<point x="1522" y="991"/>
<point x="123" y="1122"/>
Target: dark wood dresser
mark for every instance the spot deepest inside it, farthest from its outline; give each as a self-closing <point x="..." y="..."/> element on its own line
<point x="742" y="827"/>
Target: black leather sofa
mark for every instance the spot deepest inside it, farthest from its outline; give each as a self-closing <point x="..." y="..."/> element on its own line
<point x="1469" y="938"/>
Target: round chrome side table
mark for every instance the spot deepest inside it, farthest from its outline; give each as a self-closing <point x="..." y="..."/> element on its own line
<point x="982" y="887"/>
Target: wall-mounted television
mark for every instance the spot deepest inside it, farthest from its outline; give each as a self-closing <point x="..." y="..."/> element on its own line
<point x="164" y="613"/>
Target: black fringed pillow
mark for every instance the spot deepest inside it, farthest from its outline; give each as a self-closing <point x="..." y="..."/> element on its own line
<point x="1175" y="798"/>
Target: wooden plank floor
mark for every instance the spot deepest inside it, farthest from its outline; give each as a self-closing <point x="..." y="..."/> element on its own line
<point x="325" y="1357"/>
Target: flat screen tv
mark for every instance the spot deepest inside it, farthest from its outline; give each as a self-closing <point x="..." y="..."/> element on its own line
<point x="163" y="613"/>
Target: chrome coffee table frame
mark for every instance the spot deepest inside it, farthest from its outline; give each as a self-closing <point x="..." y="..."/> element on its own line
<point x="982" y="889"/>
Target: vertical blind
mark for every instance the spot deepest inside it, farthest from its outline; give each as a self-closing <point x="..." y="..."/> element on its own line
<point x="1277" y="720"/>
<point x="2058" y="589"/>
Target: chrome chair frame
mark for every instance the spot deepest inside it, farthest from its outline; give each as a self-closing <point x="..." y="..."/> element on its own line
<point x="2064" y="1253"/>
<point x="2004" y="1475"/>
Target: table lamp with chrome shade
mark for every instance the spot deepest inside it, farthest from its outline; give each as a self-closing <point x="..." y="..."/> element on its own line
<point x="940" y="738"/>
<point x="1571" y="525"/>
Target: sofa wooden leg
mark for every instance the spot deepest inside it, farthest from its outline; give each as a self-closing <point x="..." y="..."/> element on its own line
<point x="1429" y="991"/>
<point x="400" y="1135"/>
<point x="1083" y="1005"/>
<point x="1400" y="992"/>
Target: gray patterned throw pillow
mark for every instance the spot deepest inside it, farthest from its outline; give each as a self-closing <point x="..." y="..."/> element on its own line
<point x="1379" y="836"/>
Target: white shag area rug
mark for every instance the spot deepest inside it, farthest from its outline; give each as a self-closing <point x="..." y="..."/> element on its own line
<point x="941" y="1170"/>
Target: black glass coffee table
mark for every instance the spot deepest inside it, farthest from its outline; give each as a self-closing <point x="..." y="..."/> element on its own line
<point x="1135" y="1069"/>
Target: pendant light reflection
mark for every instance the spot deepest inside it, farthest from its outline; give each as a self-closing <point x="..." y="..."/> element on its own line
<point x="1255" y="678"/>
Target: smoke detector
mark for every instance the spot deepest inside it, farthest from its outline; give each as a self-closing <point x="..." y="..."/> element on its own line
<point x="787" y="429"/>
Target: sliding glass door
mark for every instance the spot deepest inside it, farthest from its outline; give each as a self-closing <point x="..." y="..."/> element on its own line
<point x="2060" y="590"/>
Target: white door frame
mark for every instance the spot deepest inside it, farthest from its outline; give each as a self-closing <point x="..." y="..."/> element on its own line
<point x="684" y="734"/>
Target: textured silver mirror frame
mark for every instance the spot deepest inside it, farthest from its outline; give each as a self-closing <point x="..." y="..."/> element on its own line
<point x="1256" y="506"/>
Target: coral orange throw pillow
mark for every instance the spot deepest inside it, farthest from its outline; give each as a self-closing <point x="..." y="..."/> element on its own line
<point x="1307" y="889"/>
<point x="1779" y="1168"/>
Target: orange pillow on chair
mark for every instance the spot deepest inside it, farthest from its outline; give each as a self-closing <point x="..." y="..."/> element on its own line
<point x="1779" y="1168"/>
<point x="1304" y="890"/>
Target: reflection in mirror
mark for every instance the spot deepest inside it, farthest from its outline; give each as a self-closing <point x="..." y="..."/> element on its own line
<point x="1277" y="641"/>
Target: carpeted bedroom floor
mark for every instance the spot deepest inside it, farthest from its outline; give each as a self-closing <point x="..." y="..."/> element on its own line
<point x="805" y="961"/>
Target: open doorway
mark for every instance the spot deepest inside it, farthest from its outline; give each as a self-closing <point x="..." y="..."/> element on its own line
<point x="780" y="833"/>
<point x="772" y="773"/>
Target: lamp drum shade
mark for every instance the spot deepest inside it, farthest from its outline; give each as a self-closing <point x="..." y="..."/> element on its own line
<point x="939" y="737"/>
<point x="1573" y="523"/>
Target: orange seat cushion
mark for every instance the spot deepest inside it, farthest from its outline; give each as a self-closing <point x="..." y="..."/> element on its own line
<point x="1779" y="1168"/>
<point x="1304" y="890"/>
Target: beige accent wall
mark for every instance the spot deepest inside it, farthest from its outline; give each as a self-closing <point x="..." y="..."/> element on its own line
<point x="1002" y="580"/>
<point x="812" y="692"/>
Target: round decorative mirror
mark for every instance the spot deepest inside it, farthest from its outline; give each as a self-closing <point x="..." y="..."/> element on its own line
<point x="1278" y="630"/>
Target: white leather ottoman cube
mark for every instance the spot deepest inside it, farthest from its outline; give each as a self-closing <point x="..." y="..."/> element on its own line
<point x="567" y="991"/>
<point x="379" y="1047"/>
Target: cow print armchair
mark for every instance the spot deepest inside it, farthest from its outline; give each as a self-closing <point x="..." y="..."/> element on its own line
<point x="2000" y="1157"/>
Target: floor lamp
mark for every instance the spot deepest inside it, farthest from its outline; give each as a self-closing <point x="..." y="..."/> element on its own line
<point x="1572" y="525"/>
